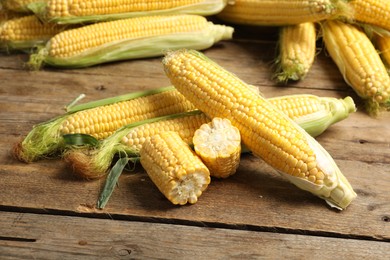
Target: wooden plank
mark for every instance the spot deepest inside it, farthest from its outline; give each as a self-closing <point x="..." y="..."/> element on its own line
<point x="30" y="236"/>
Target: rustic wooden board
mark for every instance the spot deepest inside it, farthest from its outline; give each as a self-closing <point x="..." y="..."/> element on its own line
<point x="255" y="199"/>
<point x="31" y="236"/>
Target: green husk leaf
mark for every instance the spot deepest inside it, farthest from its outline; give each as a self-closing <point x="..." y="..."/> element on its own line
<point x="80" y="140"/>
<point x="204" y="8"/>
<point x="135" y="48"/>
<point x="112" y="180"/>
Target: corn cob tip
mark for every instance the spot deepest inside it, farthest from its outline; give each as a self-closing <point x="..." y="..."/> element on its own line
<point x="19" y="153"/>
<point x="37" y="59"/>
<point x="82" y="164"/>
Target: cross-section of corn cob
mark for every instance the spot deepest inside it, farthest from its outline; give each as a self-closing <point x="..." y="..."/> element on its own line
<point x="297" y="50"/>
<point x="314" y="113"/>
<point x="218" y="144"/>
<point x="129" y="39"/>
<point x="82" y="11"/>
<point x="99" y="119"/>
<point x="359" y="62"/>
<point x="282" y="12"/>
<point x="26" y="32"/>
<point x="264" y="129"/>
<point x="174" y="168"/>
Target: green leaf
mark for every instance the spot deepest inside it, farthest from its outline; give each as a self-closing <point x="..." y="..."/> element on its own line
<point x="80" y="139"/>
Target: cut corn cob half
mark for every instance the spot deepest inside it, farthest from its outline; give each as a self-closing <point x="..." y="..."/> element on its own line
<point x="174" y="168"/>
<point x="20" y="6"/>
<point x="372" y="12"/>
<point x="218" y="144"/>
<point x="297" y="50"/>
<point x="129" y="39"/>
<point x="26" y="32"/>
<point x="265" y="130"/>
<point x="99" y="119"/>
<point x="79" y="11"/>
<point x="283" y="12"/>
<point x="314" y="113"/>
<point x="359" y="62"/>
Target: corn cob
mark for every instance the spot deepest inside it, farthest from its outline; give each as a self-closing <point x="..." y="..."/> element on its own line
<point x="314" y="113"/>
<point x="265" y="130"/>
<point x="99" y="119"/>
<point x="358" y="61"/>
<point x="297" y="50"/>
<point x="371" y="12"/>
<point x="218" y="144"/>
<point x="382" y="42"/>
<point x="282" y="12"/>
<point x="26" y="32"/>
<point x="129" y="39"/>
<point x="81" y="11"/>
<point x="20" y="6"/>
<point x="174" y="168"/>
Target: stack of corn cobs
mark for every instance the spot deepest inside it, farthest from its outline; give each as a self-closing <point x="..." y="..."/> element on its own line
<point x="209" y="116"/>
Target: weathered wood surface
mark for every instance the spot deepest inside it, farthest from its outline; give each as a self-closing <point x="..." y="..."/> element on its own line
<point x="252" y="207"/>
<point x="30" y="236"/>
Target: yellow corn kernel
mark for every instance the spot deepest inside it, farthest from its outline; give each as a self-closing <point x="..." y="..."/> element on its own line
<point x="297" y="48"/>
<point x="358" y="61"/>
<point x="374" y="12"/>
<point x="174" y="168"/>
<point x="19" y="5"/>
<point x="102" y="121"/>
<point x="282" y="12"/>
<point x="218" y="144"/>
<point x="26" y="32"/>
<point x="265" y="130"/>
<point x="184" y="126"/>
<point x="382" y="42"/>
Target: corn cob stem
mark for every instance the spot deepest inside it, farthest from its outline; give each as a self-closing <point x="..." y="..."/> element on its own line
<point x="265" y="130"/>
<point x="129" y="39"/>
<point x="45" y="139"/>
<point x="74" y="12"/>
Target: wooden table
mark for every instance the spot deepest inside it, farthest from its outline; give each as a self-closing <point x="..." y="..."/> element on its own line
<point x="48" y="213"/>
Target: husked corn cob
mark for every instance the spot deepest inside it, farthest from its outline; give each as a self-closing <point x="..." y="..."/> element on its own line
<point x="297" y="50"/>
<point x="82" y="11"/>
<point x="383" y="44"/>
<point x="99" y="119"/>
<point x="19" y="5"/>
<point x="372" y="12"/>
<point x="129" y="39"/>
<point x="265" y="130"/>
<point x="314" y="113"/>
<point x="282" y="12"/>
<point x="218" y="144"/>
<point x="174" y="168"/>
<point x="358" y="61"/>
<point x="26" y="32"/>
